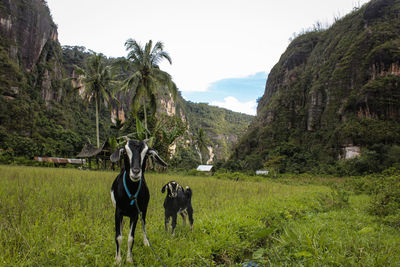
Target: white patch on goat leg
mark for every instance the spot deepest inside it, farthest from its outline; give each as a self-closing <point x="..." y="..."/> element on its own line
<point x="113" y="199"/>
<point x="119" y="240"/>
<point x="130" y="242"/>
<point x="118" y="253"/>
<point x="145" y="240"/>
<point x="184" y="214"/>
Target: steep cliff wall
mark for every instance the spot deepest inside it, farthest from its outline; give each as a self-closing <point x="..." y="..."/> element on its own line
<point x="331" y="89"/>
<point x="28" y="27"/>
<point x="29" y="49"/>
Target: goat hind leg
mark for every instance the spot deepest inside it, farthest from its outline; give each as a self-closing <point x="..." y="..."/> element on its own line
<point x="190" y="213"/>
<point x="183" y="214"/>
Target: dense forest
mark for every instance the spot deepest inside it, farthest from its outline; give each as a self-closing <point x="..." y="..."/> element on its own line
<point x="332" y="90"/>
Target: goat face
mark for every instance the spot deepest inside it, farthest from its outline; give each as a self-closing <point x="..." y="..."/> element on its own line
<point x="172" y="188"/>
<point x="135" y="153"/>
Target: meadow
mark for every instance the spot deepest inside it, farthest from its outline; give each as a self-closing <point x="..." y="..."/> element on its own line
<point x="64" y="217"/>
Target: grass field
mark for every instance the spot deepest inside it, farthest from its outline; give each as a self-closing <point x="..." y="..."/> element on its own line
<point x="64" y="217"/>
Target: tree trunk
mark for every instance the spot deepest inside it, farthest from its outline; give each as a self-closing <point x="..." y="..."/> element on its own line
<point x="145" y="117"/>
<point x="97" y="122"/>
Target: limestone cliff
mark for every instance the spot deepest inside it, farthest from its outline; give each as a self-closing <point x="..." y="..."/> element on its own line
<point x="331" y="89"/>
<point x="29" y="48"/>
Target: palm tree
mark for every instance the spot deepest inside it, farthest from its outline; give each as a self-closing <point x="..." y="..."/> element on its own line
<point x="147" y="77"/>
<point x="96" y="82"/>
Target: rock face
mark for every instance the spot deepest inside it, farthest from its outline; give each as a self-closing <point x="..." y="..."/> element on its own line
<point x="28" y="27"/>
<point x="29" y="38"/>
<point x="331" y="88"/>
<point x="351" y="152"/>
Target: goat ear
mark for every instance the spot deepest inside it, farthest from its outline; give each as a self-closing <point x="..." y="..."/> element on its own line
<point x="116" y="155"/>
<point x="164" y="188"/>
<point x="157" y="157"/>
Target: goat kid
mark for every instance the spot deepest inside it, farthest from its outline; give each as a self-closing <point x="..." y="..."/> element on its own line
<point x="129" y="192"/>
<point x="178" y="200"/>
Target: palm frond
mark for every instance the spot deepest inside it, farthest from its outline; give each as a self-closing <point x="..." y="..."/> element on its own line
<point x="131" y="82"/>
<point x="135" y="102"/>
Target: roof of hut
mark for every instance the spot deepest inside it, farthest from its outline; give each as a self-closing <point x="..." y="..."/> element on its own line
<point x="89" y="150"/>
<point x="205" y="168"/>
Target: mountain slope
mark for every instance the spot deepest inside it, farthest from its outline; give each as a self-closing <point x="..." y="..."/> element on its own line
<point x="330" y="90"/>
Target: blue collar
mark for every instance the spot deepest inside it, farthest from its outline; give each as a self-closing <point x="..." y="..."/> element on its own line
<point x="133" y="198"/>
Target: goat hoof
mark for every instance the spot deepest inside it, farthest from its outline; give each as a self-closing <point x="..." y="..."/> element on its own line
<point x="146" y="242"/>
<point x="118" y="260"/>
<point x="129" y="259"/>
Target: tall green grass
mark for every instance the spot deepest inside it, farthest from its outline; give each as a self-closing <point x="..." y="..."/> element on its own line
<point x="64" y="217"/>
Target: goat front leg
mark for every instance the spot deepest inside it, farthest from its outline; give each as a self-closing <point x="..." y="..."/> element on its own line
<point x="131" y="238"/>
<point x="166" y="223"/>
<point x="173" y="223"/>
<point x="118" y="236"/>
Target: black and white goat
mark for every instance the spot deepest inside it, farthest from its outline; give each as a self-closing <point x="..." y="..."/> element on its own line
<point x="178" y="200"/>
<point x="129" y="192"/>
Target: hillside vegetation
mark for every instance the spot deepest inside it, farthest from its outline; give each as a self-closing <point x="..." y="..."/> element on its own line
<point x="332" y="89"/>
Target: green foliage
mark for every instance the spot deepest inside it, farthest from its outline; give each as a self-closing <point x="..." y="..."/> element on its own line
<point x="386" y="199"/>
<point x="185" y="158"/>
<point x="376" y="159"/>
<point x="10" y="74"/>
<point x="164" y="133"/>
<point x="222" y="127"/>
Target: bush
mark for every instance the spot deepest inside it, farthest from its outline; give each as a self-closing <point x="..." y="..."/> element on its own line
<point x="386" y="199"/>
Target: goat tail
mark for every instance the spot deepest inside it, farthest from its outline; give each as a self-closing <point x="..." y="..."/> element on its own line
<point x="188" y="192"/>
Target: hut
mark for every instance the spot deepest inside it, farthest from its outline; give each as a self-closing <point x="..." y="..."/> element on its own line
<point x="59" y="161"/>
<point x="101" y="154"/>
<point x="209" y="169"/>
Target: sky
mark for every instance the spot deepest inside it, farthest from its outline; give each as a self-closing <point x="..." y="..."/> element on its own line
<point x="221" y="50"/>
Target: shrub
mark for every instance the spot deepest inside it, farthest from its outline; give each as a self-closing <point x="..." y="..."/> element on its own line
<point x="386" y="199"/>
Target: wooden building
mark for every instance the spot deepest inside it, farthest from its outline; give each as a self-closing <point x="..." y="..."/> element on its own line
<point x="101" y="155"/>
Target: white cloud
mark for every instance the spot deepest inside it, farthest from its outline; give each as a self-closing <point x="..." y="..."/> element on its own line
<point x="232" y="103"/>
